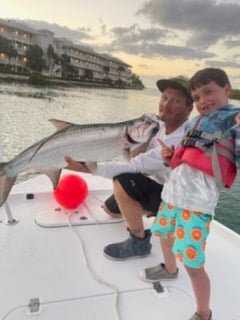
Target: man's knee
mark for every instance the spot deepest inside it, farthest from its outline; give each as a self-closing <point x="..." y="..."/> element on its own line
<point x="118" y="190"/>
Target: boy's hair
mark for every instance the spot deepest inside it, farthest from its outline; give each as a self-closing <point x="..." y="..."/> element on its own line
<point x="204" y="76"/>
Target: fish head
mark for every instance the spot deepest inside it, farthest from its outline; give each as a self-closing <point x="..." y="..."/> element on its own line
<point x="142" y="129"/>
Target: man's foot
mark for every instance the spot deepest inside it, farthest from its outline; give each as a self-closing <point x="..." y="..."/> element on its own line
<point x="157" y="273"/>
<point x="133" y="247"/>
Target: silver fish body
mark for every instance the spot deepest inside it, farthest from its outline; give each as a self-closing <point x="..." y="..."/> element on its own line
<point x="89" y="142"/>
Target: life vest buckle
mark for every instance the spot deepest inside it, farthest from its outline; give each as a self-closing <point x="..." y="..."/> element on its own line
<point x="188" y="143"/>
<point x="194" y="133"/>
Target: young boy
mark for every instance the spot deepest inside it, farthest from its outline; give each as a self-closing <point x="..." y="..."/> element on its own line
<point x="202" y="165"/>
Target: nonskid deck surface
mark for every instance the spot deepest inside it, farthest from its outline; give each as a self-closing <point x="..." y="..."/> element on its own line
<point x="64" y="269"/>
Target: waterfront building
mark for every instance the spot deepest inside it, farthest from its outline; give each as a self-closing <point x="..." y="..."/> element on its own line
<point x="85" y="62"/>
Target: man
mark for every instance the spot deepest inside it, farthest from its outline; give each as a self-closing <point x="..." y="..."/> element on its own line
<point x="135" y="193"/>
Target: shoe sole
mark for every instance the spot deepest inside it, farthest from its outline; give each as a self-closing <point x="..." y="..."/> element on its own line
<point x="142" y="277"/>
<point x="127" y="258"/>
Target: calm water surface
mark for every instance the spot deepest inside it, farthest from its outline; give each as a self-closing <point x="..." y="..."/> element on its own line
<point x="25" y="110"/>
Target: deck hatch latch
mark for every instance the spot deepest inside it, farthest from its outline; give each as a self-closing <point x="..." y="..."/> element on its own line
<point x="34" y="306"/>
<point x="158" y="287"/>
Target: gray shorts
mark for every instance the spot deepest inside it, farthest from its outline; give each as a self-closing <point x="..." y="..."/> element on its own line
<point x="140" y="188"/>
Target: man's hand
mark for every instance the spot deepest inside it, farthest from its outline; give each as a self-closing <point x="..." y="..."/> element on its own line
<point x="167" y="152"/>
<point x="76" y="165"/>
<point x="141" y="149"/>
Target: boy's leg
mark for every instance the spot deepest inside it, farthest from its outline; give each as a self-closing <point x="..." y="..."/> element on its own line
<point x="184" y="227"/>
<point x="170" y="263"/>
<point x="163" y="271"/>
<point x="201" y="287"/>
<point x="192" y="230"/>
<point x="163" y="227"/>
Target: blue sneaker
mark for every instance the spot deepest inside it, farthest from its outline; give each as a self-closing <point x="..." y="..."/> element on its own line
<point x="133" y="247"/>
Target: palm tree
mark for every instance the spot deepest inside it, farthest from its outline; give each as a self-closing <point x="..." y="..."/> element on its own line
<point x="53" y="59"/>
<point x="8" y="49"/>
<point x="106" y="70"/>
<point x="120" y="70"/>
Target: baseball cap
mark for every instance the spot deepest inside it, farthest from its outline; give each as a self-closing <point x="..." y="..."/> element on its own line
<point x="174" y="83"/>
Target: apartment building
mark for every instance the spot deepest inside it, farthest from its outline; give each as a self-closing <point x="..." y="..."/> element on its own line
<point x="82" y="58"/>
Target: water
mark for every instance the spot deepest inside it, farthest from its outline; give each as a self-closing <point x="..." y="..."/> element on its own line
<point x="25" y="110"/>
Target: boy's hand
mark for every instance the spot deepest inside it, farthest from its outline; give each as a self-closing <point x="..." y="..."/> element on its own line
<point x="167" y="152"/>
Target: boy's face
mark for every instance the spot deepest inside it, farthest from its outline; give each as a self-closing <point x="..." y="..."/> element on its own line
<point x="210" y="97"/>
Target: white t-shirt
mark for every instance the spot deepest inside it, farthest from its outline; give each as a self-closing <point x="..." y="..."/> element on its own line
<point x="191" y="189"/>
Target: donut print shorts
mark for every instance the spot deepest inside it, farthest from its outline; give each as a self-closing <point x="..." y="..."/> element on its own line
<point x="189" y="229"/>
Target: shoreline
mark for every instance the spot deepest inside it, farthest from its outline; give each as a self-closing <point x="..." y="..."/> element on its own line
<point x="45" y="81"/>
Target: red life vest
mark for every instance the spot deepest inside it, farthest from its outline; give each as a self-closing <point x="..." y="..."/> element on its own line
<point x="216" y="158"/>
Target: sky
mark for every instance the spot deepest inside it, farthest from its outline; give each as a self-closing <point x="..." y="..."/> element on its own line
<point x="158" y="38"/>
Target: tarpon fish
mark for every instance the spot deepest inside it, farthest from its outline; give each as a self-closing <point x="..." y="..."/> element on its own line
<point x="86" y="143"/>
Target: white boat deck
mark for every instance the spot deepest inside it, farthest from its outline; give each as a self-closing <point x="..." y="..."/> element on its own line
<point x="40" y="260"/>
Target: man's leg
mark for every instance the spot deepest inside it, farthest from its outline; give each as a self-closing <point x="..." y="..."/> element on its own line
<point x="131" y="210"/>
<point x="110" y="206"/>
<point x="138" y="243"/>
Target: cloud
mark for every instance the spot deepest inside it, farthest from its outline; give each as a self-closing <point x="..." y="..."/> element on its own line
<point x="76" y="35"/>
<point x="151" y="43"/>
<point x="136" y="34"/>
<point x="222" y="64"/>
<point x="202" y="31"/>
<point x="206" y="21"/>
<point x="184" y="29"/>
<point x="232" y="43"/>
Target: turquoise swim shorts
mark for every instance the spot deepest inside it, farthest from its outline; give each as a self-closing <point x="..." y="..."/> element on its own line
<point x="189" y="229"/>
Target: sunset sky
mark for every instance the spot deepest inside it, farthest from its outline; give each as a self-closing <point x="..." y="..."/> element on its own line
<point x="158" y="38"/>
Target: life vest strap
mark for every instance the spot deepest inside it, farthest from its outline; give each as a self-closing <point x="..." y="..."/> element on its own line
<point x="213" y="145"/>
<point x="217" y="169"/>
<point x="195" y="133"/>
<point x="226" y="154"/>
<point x="190" y="142"/>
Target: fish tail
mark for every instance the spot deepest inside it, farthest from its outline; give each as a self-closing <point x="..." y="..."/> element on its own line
<point x="6" y="184"/>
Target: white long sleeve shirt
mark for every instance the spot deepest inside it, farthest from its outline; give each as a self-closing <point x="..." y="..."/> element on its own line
<point x="149" y="163"/>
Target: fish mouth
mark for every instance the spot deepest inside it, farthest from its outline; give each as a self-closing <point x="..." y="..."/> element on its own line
<point x="130" y="139"/>
<point x="152" y="132"/>
<point x="155" y="130"/>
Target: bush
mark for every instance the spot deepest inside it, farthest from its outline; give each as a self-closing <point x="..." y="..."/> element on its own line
<point x="38" y="79"/>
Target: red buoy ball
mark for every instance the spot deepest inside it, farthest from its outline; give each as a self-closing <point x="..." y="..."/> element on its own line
<point x="71" y="191"/>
